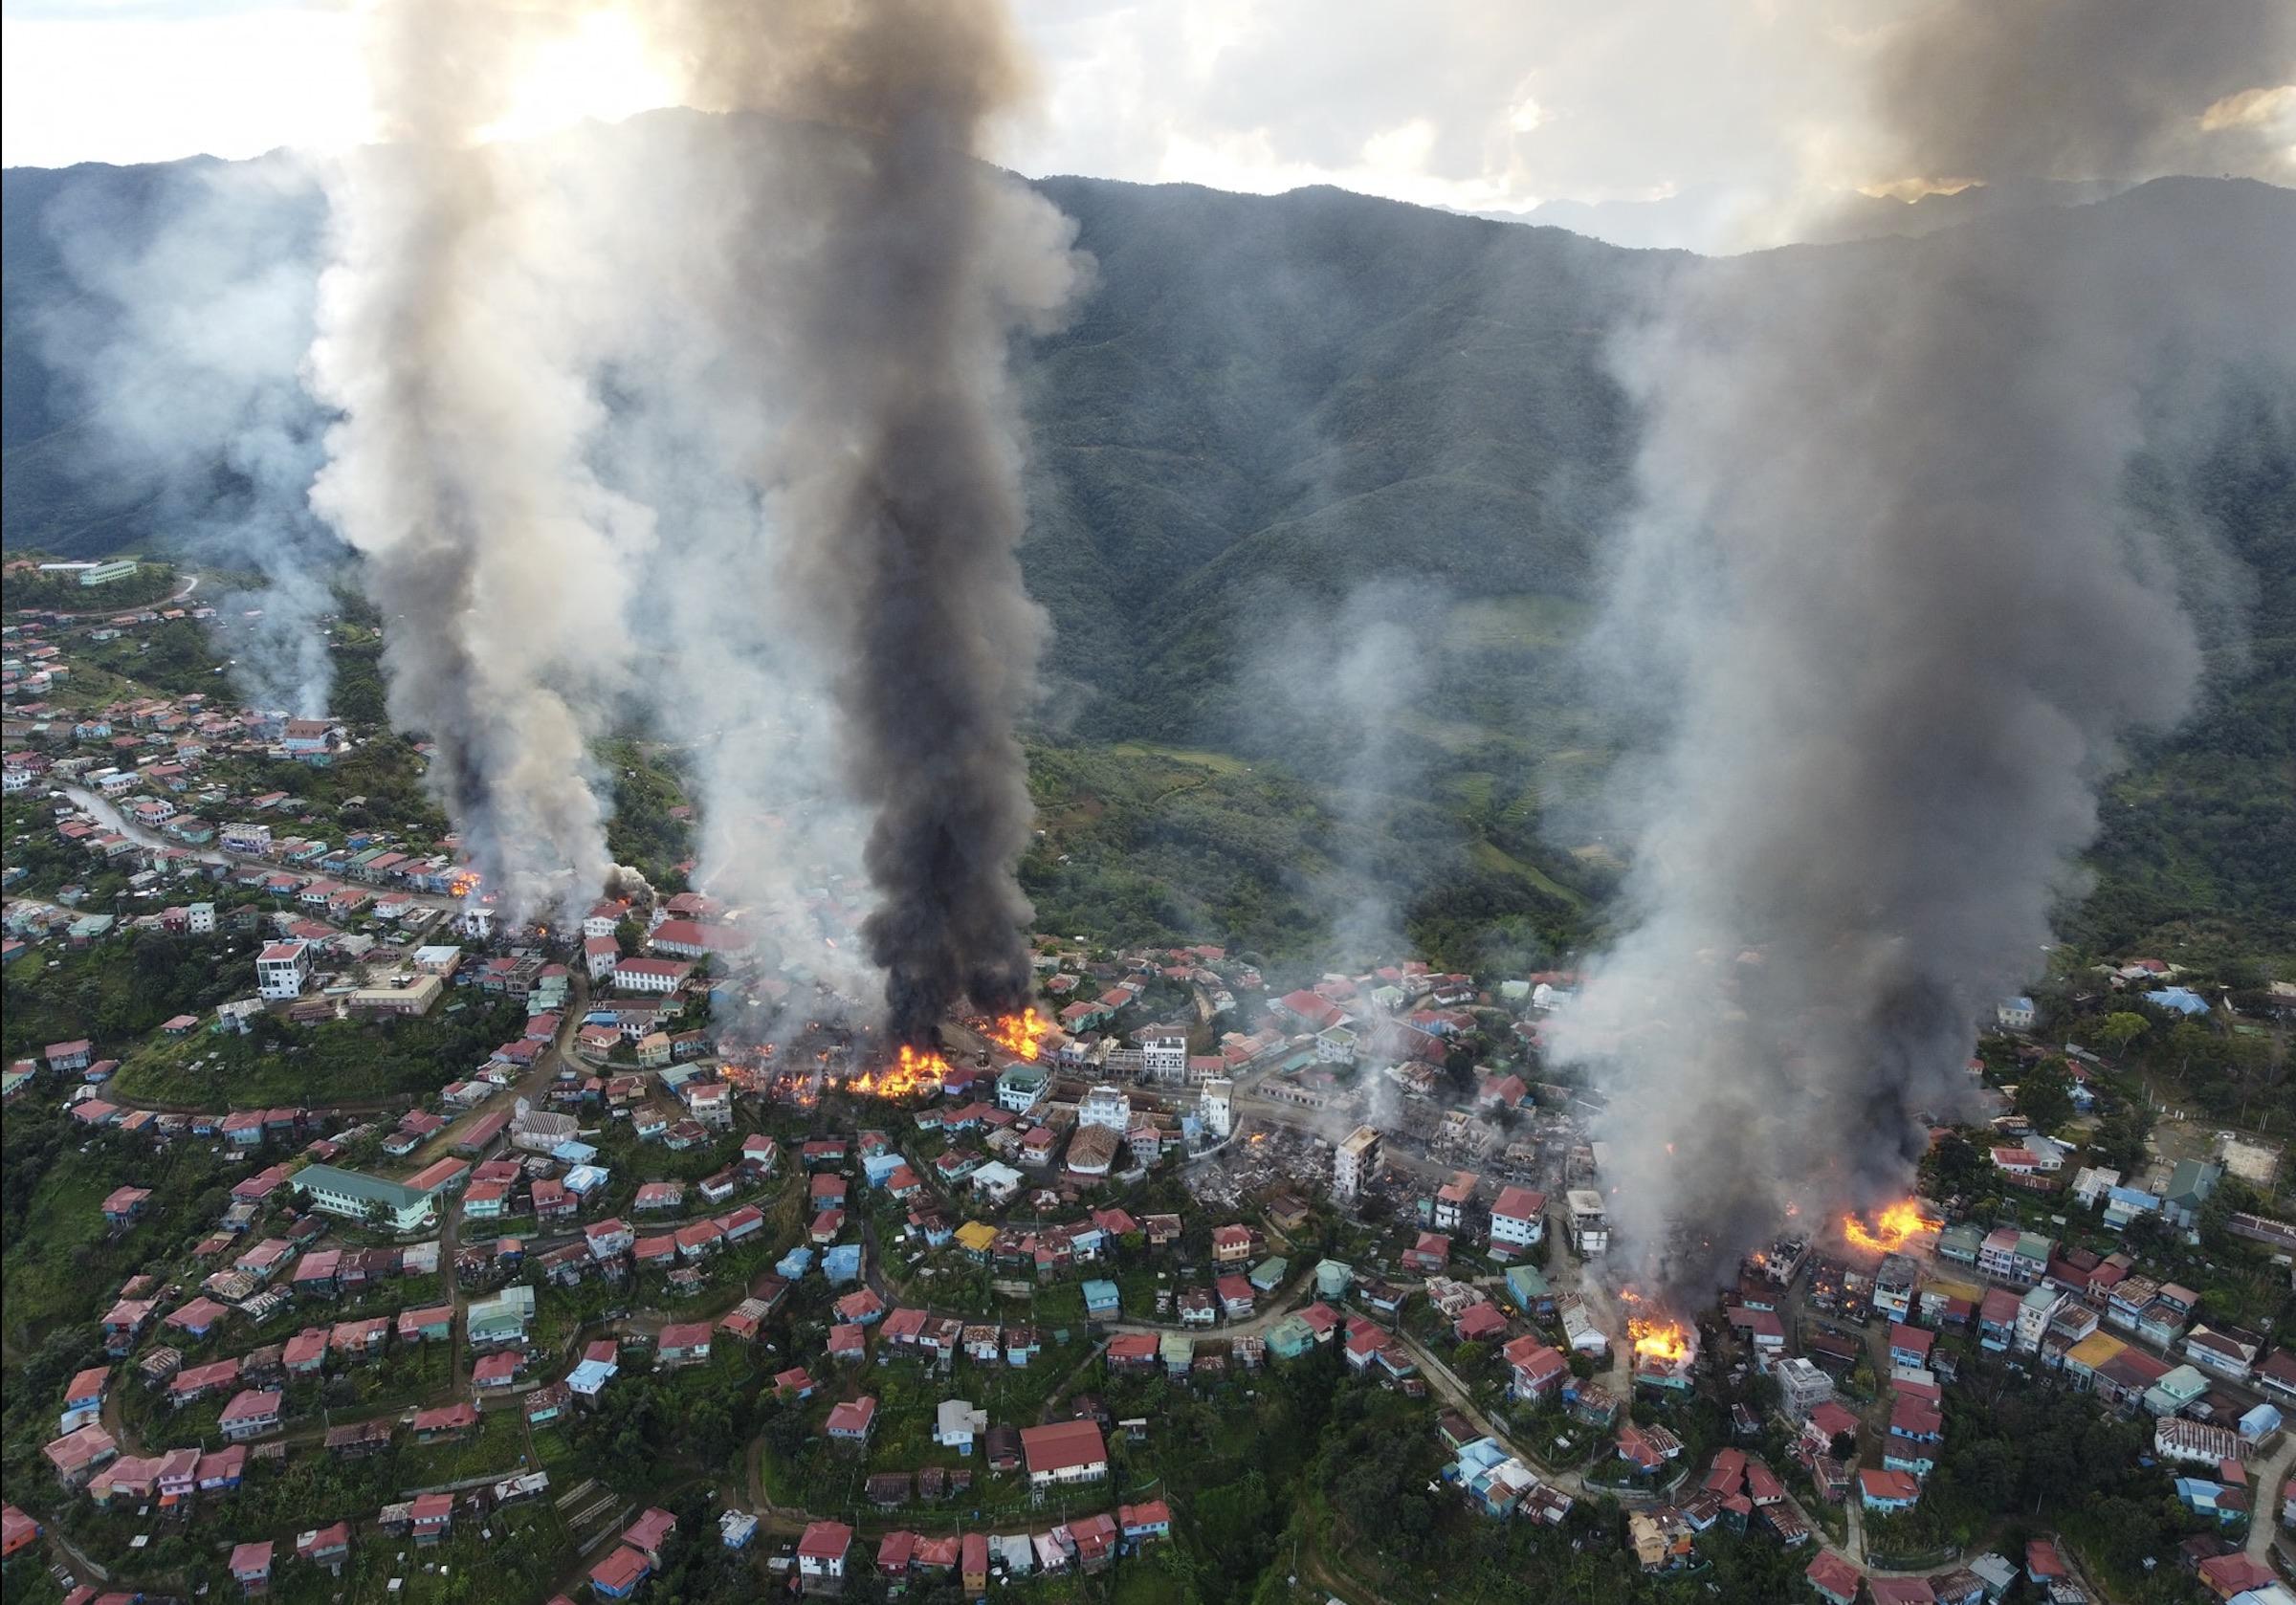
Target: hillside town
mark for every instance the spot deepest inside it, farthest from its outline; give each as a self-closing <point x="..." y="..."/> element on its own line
<point x="413" y="1228"/>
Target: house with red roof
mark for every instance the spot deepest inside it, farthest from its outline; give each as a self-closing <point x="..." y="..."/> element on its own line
<point x="821" y="1556"/>
<point x="1064" y="1452"/>
<point x="683" y="1343"/>
<point x="250" y="1566"/>
<point x="852" y="1421"/>
<point x="1882" y="1489"/>
<point x="618" y="1575"/>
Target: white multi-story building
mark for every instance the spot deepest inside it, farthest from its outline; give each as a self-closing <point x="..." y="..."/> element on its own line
<point x="1354" y="1163"/>
<point x="247" y="838"/>
<point x="1105" y="1106"/>
<point x="1801" y="1386"/>
<point x="282" y="968"/>
<point x="2034" y="1313"/>
<point x="1166" y="1057"/>
<point x="202" y="918"/>
<point x="1590" y="1222"/>
<point x="651" y="975"/>
<point x="1019" y="1087"/>
<point x="1218" y="1106"/>
<point x="1518" y="1218"/>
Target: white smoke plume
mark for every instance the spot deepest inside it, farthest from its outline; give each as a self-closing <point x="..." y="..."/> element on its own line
<point x="179" y="352"/>
<point x="1886" y="587"/>
<point x="458" y="469"/>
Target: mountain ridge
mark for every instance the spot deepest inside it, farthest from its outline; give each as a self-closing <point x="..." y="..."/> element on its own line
<point x="1275" y="410"/>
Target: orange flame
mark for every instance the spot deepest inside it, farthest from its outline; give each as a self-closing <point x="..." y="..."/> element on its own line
<point x="913" y="1071"/>
<point x="1892" y="1229"/>
<point x="1020" y="1035"/>
<point x="1667" y="1341"/>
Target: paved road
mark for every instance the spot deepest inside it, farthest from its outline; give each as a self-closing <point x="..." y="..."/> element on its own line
<point x="2263" y="1496"/>
<point x="101" y="808"/>
<point x="189" y="584"/>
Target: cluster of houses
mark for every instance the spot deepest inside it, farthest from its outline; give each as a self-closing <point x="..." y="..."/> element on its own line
<point x="825" y="1557"/>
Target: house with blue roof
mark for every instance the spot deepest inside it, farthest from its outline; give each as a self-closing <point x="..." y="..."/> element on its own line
<point x="1495" y="1480"/>
<point x="2015" y="1014"/>
<point x="2123" y="1204"/>
<point x="1102" y="1301"/>
<point x="795" y="1264"/>
<point x="2205" y="1497"/>
<point x="2181" y="1000"/>
<point x="842" y="1264"/>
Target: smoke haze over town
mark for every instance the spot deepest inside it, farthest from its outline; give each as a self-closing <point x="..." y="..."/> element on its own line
<point x="1312" y="805"/>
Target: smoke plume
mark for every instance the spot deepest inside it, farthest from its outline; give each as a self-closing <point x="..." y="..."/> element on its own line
<point x="180" y="350"/>
<point x="1886" y="592"/>
<point x="1327" y="687"/>
<point x="884" y="290"/>
<point x="458" y="467"/>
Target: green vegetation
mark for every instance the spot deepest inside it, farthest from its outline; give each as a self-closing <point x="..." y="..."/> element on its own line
<point x="1272" y="415"/>
<point x="63" y="593"/>
<point x="339" y="1062"/>
<point x="644" y="831"/>
<point x="1148" y="844"/>
<point x="2197" y="850"/>
<point x="173" y="659"/>
<point x="62" y="1262"/>
<point x="119" y="989"/>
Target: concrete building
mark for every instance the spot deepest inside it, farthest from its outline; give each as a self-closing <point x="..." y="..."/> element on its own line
<point x="2034" y="1312"/>
<point x="1518" y="1218"/>
<point x="1019" y="1087"/>
<point x="1218" y="1108"/>
<point x="351" y="1195"/>
<point x="1164" y="1057"/>
<point x="1801" y="1386"/>
<point x="1354" y="1163"/>
<point x="282" y="968"/>
<point x="1590" y="1222"/>
<point x="1105" y="1106"/>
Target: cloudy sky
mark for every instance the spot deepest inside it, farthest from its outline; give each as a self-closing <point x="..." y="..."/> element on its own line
<point x="1477" y="104"/>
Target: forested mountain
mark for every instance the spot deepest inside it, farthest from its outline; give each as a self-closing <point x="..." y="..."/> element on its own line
<point x="1282" y="428"/>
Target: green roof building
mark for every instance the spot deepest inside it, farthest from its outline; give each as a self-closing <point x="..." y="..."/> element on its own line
<point x="503" y="1318"/>
<point x="351" y="1193"/>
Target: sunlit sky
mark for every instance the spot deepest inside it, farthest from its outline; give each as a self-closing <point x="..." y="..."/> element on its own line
<point x="1461" y="102"/>
<point x="1478" y="104"/>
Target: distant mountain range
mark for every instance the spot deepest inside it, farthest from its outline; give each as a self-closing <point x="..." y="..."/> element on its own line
<point x="1272" y="408"/>
<point x="1716" y="218"/>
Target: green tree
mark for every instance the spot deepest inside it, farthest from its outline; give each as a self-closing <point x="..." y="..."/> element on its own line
<point x="2044" y="1095"/>
<point x="2119" y="1028"/>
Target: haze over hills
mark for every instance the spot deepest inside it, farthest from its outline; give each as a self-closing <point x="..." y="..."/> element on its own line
<point x="1717" y="219"/>
<point x="1284" y="424"/>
